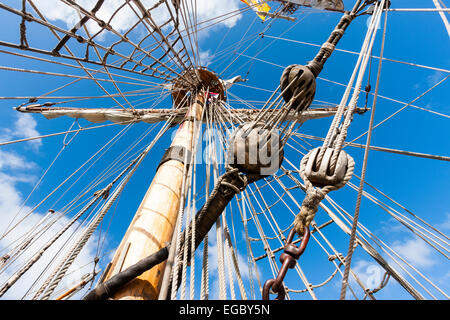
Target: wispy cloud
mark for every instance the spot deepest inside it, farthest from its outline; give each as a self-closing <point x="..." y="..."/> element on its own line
<point x="435" y="78"/>
<point x="127" y="16"/>
<point x="23" y="127"/>
<point x="370" y="273"/>
<point x="213" y="268"/>
<point x="416" y="251"/>
<point x="15" y="169"/>
<point x="205" y="58"/>
<point x="445" y="225"/>
<point x="10" y="160"/>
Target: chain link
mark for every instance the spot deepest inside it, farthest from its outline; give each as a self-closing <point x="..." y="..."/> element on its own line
<point x="288" y="259"/>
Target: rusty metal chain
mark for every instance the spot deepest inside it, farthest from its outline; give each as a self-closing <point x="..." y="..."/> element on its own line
<point x="288" y="259"/>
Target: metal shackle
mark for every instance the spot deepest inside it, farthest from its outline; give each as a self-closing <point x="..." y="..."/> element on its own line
<point x="321" y="175"/>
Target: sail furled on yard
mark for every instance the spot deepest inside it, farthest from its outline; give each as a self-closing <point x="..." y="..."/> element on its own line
<point x="333" y="5"/>
<point x="121" y="116"/>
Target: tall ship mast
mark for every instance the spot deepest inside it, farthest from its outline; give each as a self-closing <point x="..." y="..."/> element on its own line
<point x="224" y="150"/>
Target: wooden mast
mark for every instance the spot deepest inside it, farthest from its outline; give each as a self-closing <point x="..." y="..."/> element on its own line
<point x="154" y="222"/>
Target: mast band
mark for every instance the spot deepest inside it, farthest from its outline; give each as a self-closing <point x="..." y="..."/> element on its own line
<point x="178" y="153"/>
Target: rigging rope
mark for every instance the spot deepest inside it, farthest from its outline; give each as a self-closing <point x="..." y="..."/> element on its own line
<point x="351" y="246"/>
<point x="52" y="282"/>
<point x="49" y="286"/>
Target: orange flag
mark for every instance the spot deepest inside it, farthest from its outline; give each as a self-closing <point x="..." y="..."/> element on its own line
<point x="258" y="6"/>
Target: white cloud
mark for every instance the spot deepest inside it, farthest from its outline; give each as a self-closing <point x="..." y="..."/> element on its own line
<point x="10" y="196"/>
<point x="435" y="78"/>
<point x="208" y="9"/>
<point x="57" y="10"/>
<point x="213" y="268"/>
<point x="10" y="160"/>
<point x="370" y="274"/>
<point x="205" y="58"/>
<point x="415" y="251"/>
<point x="26" y="127"/>
<point x="11" y="201"/>
<point x="126" y="17"/>
<point x="445" y="226"/>
<point x="23" y="127"/>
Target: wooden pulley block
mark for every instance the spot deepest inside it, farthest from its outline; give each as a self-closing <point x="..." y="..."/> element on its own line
<point x="255" y="150"/>
<point x="320" y="175"/>
<point x="301" y="93"/>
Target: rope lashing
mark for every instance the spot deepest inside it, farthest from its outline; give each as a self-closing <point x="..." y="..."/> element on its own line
<point x="23" y="27"/>
<point x="298" y="86"/>
<point x="308" y="210"/>
<point x="328" y="47"/>
<point x="319" y="180"/>
<point x="4" y="258"/>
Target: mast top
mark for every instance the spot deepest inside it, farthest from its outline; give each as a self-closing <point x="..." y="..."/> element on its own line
<point x="197" y="79"/>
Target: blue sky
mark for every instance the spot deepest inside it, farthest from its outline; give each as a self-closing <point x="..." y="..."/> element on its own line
<point x="421" y="185"/>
